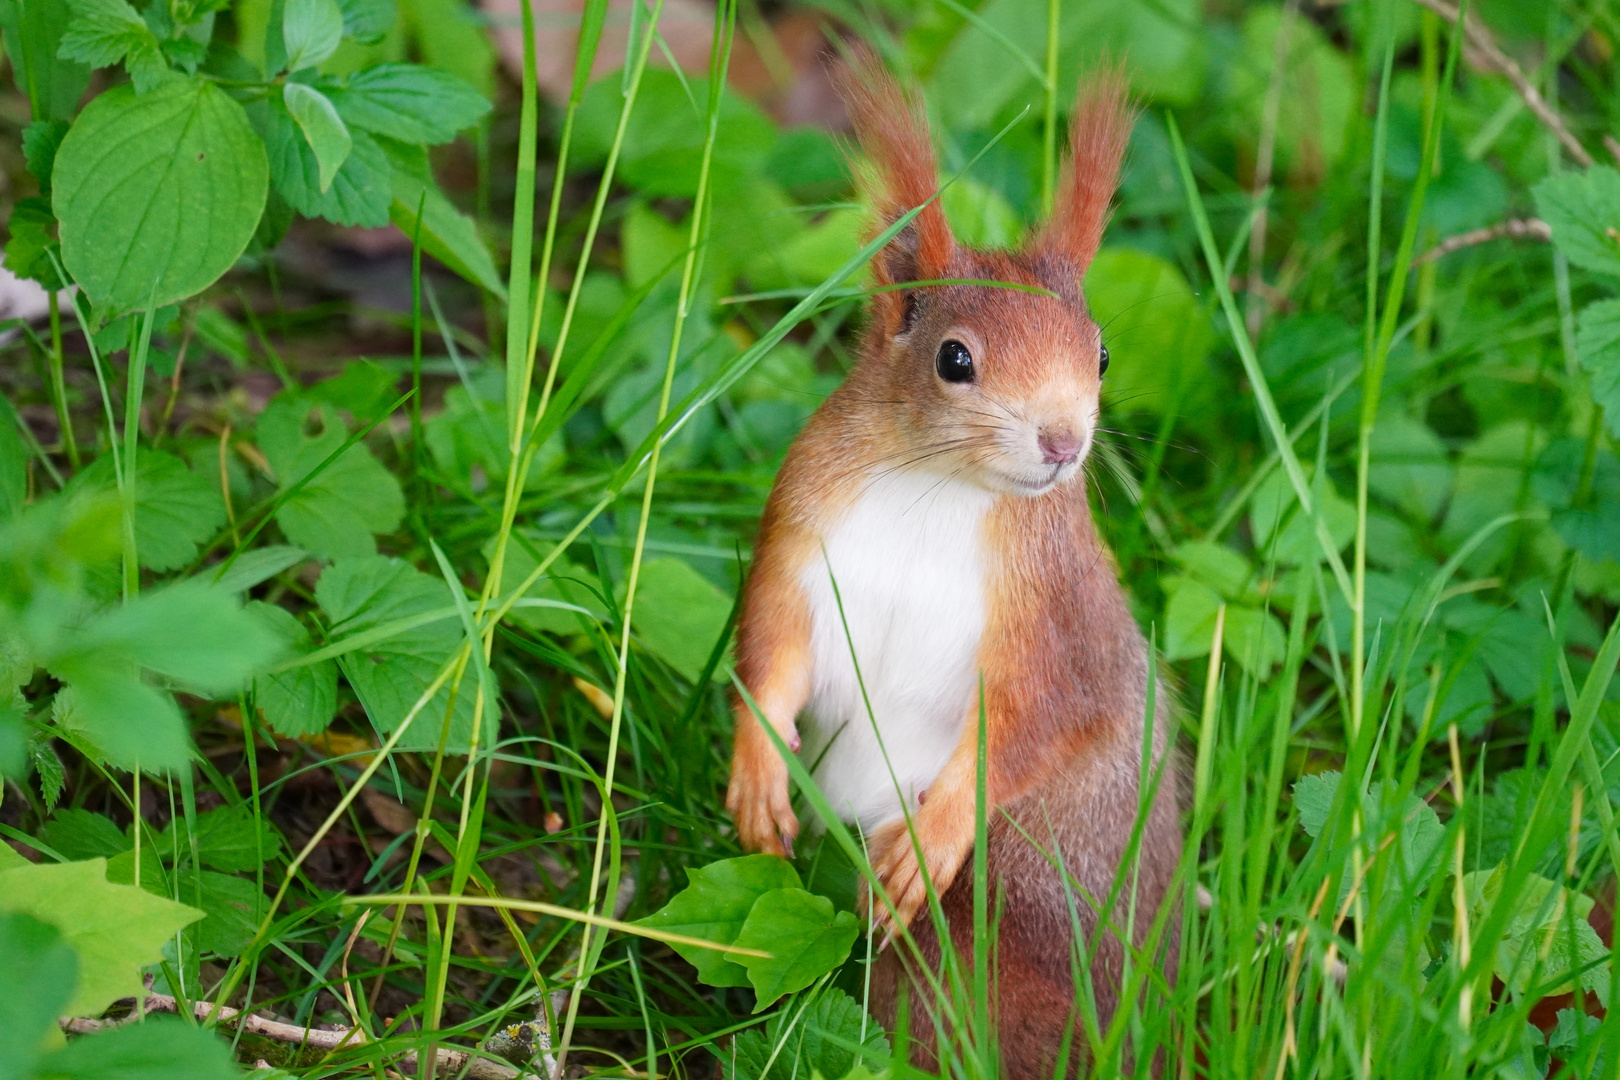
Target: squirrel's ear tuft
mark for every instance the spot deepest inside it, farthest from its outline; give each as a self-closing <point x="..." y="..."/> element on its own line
<point x="893" y="131"/>
<point x="1099" y="131"/>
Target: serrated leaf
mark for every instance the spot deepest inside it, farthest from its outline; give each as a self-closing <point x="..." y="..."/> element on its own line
<point x="175" y="508"/>
<point x="715" y="905"/>
<point x="1548" y="938"/>
<point x="157" y="194"/>
<point x="256" y="567"/>
<point x="820" y="1042"/>
<point x="445" y="232"/>
<point x="33" y="241"/>
<point x="115" y="929"/>
<point x="105" y="32"/>
<point x="363" y="389"/>
<point x="300" y="700"/>
<point x="160" y="1048"/>
<point x="115" y="718"/>
<point x="36" y="984"/>
<point x="409" y="102"/>
<point x="324" y="130"/>
<point x="81" y="834"/>
<point x="229" y="839"/>
<point x="360" y="191"/>
<point x="1597" y="341"/>
<point x="336" y="512"/>
<point x="235" y="906"/>
<point x="805" y="935"/>
<point x="311" y="31"/>
<point x="40" y="141"/>
<point x="369" y="592"/>
<point x="1583" y="209"/>
<point x="1313" y="798"/>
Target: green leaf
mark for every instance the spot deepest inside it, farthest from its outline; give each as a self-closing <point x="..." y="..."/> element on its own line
<point x="448" y="39"/>
<point x="114" y="717"/>
<point x="80" y="834"/>
<point x="820" y="1041"/>
<point x="679" y="615"/>
<point x="14" y="457"/>
<point x="1313" y="798"/>
<point x="116" y="929"/>
<point x="1548" y="938"/>
<point x="158" y="194"/>
<point x="367" y="21"/>
<point x="230" y="838"/>
<point x="235" y="907"/>
<point x="324" y="130"/>
<point x="1597" y="342"/>
<point x="1410" y="467"/>
<point x="311" y="31"/>
<point x="1255" y="639"/>
<point x="806" y="936"/>
<point x="336" y="512"/>
<point x="409" y="102"/>
<point x="1583" y="208"/>
<point x="36" y="982"/>
<point x="1295" y="543"/>
<point x="1189" y="618"/>
<point x="1159" y="331"/>
<point x="256" y="567"/>
<point x="161" y="1048"/>
<point x="360" y="191"/>
<point x="367" y="593"/>
<point x="175" y="508"/>
<point x="1320" y="96"/>
<point x="1217" y="566"/>
<point x="104" y="32"/>
<point x="563" y="584"/>
<point x="300" y="700"/>
<point x="714" y="907"/>
<point x="363" y="389"/>
<point x="33" y="34"/>
<point x="33" y="240"/>
<point x="40" y="141"/>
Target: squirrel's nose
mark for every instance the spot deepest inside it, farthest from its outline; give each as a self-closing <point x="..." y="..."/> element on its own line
<point x="1059" y="446"/>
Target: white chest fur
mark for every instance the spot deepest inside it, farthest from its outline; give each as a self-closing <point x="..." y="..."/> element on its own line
<point x="909" y="564"/>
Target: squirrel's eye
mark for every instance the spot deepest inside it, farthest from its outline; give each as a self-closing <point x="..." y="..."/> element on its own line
<point x="954" y="363"/>
<point x="1102" y="360"/>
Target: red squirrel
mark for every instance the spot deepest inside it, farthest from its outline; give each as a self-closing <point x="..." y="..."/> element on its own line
<point x="932" y="520"/>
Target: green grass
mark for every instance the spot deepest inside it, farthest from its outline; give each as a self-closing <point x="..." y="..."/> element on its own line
<point x="1398" y="723"/>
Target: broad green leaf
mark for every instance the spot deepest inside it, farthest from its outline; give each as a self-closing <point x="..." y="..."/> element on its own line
<point x="363" y="389"/>
<point x="1582" y="208"/>
<point x="1313" y="799"/>
<point x="114" y="717"/>
<point x="409" y="102"/>
<point x="310" y="30"/>
<point x="336" y="512"/>
<point x="1157" y="332"/>
<point x="980" y="216"/>
<point x="33" y="242"/>
<point x="115" y="929"/>
<point x="324" y="130"/>
<point x="235" y="907"/>
<point x="715" y="905"/>
<point x="1255" y="639"/>
<point x="81" y="834"/>
<point x="14" y="457"/>
<point x="1597" y="342"/>
<point x="37" y="977"/>
<point x="300" y="700"/>
<point x="1488" y="480"/>
<point x="1410" y="467"/>
<point x="367" y="21"/>
<point x="449" y="40"/>
<point x="1217" y="566"/>
<point x="679" y="614"/>
<point x="365" y="593"/>
<point x="175" y="508"/>
<point x="160" y="1048"/>
<point x="445" y="232"/>
<point x="360" y="191"/>
<point x="33" y="37"/>
<point x="255" y="568"/>
<point x="806" y="936"/>
<point x="104" y="32"/>
<point x="229" y="838"/>
<point x="1548" y="938"/>
<point x="820" y="1042"/>
<point x="1295" y="542"/>
<point x="1189" y="617"/>
<point x="157" y="194"/>
<point x="40" y="142"/>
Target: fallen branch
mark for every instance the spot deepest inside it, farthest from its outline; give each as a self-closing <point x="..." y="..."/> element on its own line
<point x="1488" y="55"/>
<point x="450" y="1061"/>
<point x="1514" y="229"/>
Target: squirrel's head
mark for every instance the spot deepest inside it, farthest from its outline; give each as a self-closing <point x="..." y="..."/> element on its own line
<point x="993" y="383"/>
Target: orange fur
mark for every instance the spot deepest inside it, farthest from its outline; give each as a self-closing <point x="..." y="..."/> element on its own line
<point x="1062" y="662"/>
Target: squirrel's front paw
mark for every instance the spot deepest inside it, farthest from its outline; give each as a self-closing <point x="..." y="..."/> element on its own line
<point x="759" y="804"/>
<point x="898" y="869"/>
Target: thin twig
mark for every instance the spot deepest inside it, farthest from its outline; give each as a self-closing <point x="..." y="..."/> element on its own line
<point x="1486" y="54"/>
<point x="1515" y="229"/>
<point x="449" y="1060"/>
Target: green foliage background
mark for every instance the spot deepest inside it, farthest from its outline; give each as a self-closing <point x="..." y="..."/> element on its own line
<point x="454" y="593"/>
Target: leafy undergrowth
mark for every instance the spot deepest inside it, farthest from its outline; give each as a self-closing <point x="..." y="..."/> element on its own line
<point x="340" y="565"/>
